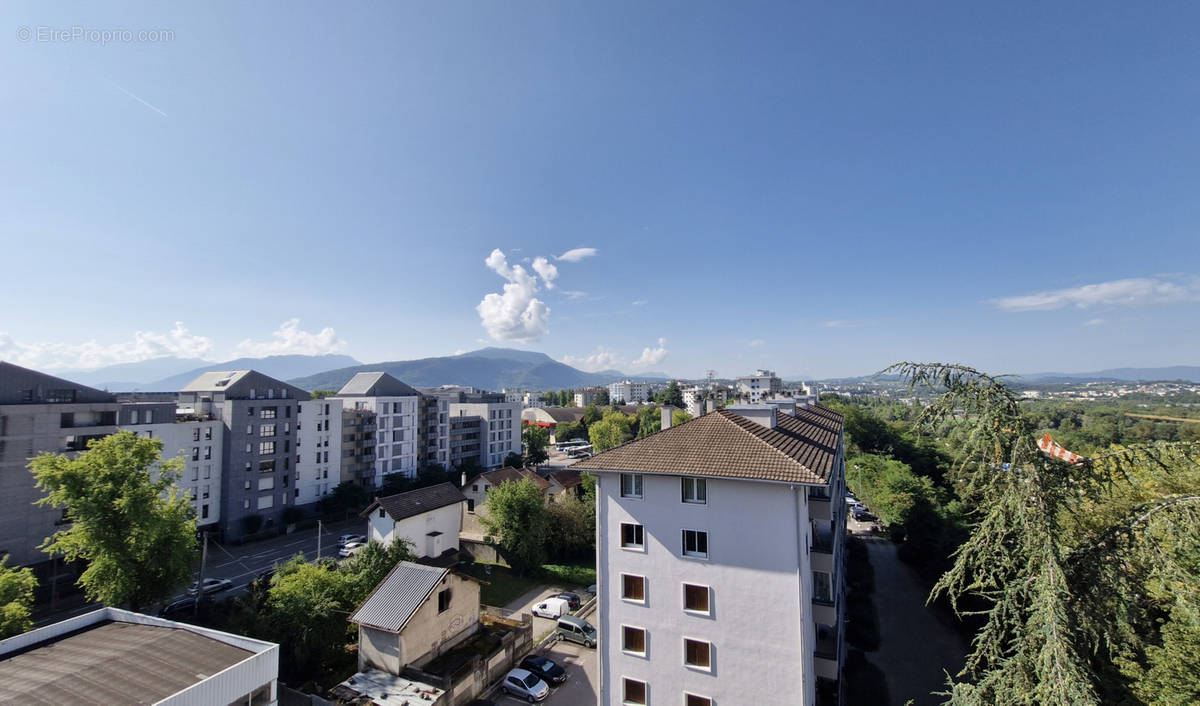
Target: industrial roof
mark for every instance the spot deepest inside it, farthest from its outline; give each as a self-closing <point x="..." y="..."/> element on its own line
<point x="414" y="502"/>
<point x="113" y="663"/>
<point x="800" y="449"/>
<point x="396" y="599"/>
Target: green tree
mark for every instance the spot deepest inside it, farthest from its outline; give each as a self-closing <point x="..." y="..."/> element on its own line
<point x="672" y="394"/>
<point x="601" y="399"/>
<point x="16" y="598"/>
<point x="611" y="431"/>
<point x="679" y="417"/>
<point x="565" y="431"/>
<point x="535" y="440"/>
<point x="347" y="497"/>
<point x="136" y="531"/>
<point x="649" y="420"/>
<point x="517" y="514"/>
<point x="514" y="460"/>
<point x="373" y="563"/>
<point x="322" y="394"/>
<point x="571" y="529"/>
<point x="309" y="605"/>
<point x="591" y="415"/>
<point x="1089" y="573"/>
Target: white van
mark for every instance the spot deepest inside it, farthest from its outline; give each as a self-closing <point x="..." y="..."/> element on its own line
<point x="552" y="608"/>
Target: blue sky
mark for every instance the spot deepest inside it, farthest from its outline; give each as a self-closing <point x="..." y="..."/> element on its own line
<point x="818" y="190"/>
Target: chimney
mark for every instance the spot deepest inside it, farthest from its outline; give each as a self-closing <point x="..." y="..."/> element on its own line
<point x="710" y="405"/>
<point x="762" y="414"/>
<point x="463" y="480"/>
<point x="667" y="415"/>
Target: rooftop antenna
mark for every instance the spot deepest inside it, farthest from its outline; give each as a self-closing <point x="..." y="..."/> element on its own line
<point x="711" y="375"/>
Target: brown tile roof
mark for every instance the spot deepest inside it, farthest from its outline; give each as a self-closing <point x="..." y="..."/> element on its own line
<point x="415" y="502"/>
<point x="567" y="477"/>
<point x="800" y="449"/>
<point x="503" y="475"/>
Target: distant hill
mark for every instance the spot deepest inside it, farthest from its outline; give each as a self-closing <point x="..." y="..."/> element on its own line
<point x="126" y="376"/>
<point x="1190" y="373"/>
<point x="487" y="369"/>
<point x="171" y="374"/>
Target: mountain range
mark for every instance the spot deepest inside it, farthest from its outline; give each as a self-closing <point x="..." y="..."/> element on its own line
<point x="170" y="374"/>
<point x="1190" y="373"/>
<point x="486" y="368"/>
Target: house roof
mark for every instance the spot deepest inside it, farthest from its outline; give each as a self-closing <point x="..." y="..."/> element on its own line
<point x="376" y="385"/>
<point x="114" y="662"/>
<point x="396" y="599"/>
<point x="404" y="505"/>
<point x="722" y="444"/>
<point x="238" y="384"/>
<point x="567" y="477"/>
<point x="15" y="380"/>
<point x="506" y="474"/>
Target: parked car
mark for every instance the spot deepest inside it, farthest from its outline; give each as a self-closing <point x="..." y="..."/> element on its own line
<point x="547" y="670"/>
<point x="351" y="549"/>
<point x="592" y="589"/>
<point x="211" y="586"/>
<point x="524" y="684"/>
<point x="860" y="513"/>
<point x="263" y="580"/>
<point x="572" y="599"/>
<point x="552" y="608"/>
<point x="182" y="608"/>
<point x="350" y="539"/>
<point x="577" y="630"/>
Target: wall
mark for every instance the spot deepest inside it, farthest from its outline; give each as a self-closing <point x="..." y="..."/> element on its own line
<point x="379" y="649"/>
<point x="200" y="476"/>
<point x="447" y="520"/>
<point x="760" y="628"/>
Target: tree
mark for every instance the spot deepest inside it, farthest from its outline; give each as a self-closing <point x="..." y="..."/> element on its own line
<point x="16" y="598"/>
<point x="591" y="415"/>
<point x="1089" y="572"/>
<point x="347" y="497"/>
<point x="672" y="394"/>
<point x="601" y="399"/>
<point x="679" y="417"/>
<point x="514" y="460"/>
<point x="611" y="431"/>
<point x="565" y="431"/>
<point x="571" y="529"/>
<point x="536" y="439"/>
<point x="649" y="420"/>
<point x="137" y="532"/>
<point x="373" y="563"/>
<point x="517" y="515"/>
<point x="308" y="610"/>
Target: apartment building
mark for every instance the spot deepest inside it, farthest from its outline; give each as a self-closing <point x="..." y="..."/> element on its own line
<point x="434" y="431"/>
<point x="318" y="449"/>
<point x="396" y="408"/>
<point x="358" y="447"/>
<point x="628" y="392"/>
<point x="695" y="396"/>
<point x="259" y="414"/>
<point x="41" y="413"/>
<point x="719" y="560"/>
<point x="499" y="428"/>
<point x="198" y="443"/>
<point x="587" y="396"/>
<point x="752" y="388"/>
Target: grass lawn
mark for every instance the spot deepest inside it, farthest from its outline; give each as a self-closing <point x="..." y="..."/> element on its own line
<point x="577" y="575"/>
<point x="503" y="584"/>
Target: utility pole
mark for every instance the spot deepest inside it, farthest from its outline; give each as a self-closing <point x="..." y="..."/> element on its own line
<point x="200" y="581"/>
<point x="319" y="531"/>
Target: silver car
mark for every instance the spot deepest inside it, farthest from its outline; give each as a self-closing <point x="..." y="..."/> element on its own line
<point x="525" y="684"/>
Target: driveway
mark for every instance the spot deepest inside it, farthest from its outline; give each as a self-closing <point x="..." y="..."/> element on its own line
<point x="915" y="645"/>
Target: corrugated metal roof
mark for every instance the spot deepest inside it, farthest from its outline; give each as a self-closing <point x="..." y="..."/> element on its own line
<point x="397" y="597"/>
<point x="800" y="449"/>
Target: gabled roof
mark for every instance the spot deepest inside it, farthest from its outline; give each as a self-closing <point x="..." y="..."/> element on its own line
<point x="396" y="599"/>
<point x="567" y="477"/>
<point x="404" y="505"/>
<point x="15" y="381"/>
<point x="376" y="385"/>
<point x="506" y="474"/>
<point x="237" y="384"/>
<point x="800" y="449"/>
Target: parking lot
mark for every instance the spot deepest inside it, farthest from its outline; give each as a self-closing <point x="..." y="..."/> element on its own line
<point x="581" y="686"/>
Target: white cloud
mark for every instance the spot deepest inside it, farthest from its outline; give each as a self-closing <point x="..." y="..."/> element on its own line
<point x="1095" y="322"/>
<point x="289" y="339"/>
<point x="574" y="294"/>
<point x="515" y="315"/>
<point x="756" y="343"/>
<point x="547" y="271"/>
<point x="178" y="342"/>
<point x="1137" y="291"/>
<point x="576" y="254"/>
<point x="460" y="351"/>
<point x="639" y="302"/>
<point x="600" y="359"/>
<point x="652" y="356"/>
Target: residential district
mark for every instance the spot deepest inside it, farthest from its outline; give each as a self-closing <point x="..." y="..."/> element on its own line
<point x="697" y="527"/>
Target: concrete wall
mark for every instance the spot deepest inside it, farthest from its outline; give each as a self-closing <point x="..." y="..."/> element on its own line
<point x="760" y="627"/>
<point x="378" y="649"/>
<point x="415" y="529"/>
<point x="430" y="633"/>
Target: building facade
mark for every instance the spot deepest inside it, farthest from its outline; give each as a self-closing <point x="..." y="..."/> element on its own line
<point x="763" y="383"/>
<point x="499" y="428"/>
<point x="396" y="407"/>
<point x="318" y="449"/>
<point x="628" y="392"/>
<point x="719" y="561"/>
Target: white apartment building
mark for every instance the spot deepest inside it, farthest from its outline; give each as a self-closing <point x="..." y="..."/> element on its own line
<point x="694" y="397"/>
<point x="719" y="561"/>
<point x="318" y="449"/>
<point x="500" y="428"/>
<point x="533" y="400"/>
<point x="395" y="405"/>
<point x="752" y="388"/>
<point x="198" y="444"/>
<point x="585" y="397"/>
<point x="628" y="392"/>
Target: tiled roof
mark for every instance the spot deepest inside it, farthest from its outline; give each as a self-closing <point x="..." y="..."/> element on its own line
<point x="503" y="475"/>
<point x="800" y="449"/>
<point x="397" y="597"/>
<point x="567" y="477"/>
<point x="415" y="502"/>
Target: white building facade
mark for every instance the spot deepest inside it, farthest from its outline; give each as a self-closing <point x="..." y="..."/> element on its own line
<point x="196" y="444"/>
<point x="719" y="582"/>
<point x="395" y="406"/>
<point x="628" y="392"/>
<point x="429" y="519"/>
<point x="763" y="383"/>
<point x="318" y="449"/>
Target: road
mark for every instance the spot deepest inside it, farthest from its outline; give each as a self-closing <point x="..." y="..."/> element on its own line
<point x="243" y="564"/>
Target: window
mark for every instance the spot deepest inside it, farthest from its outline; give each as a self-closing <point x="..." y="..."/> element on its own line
<point x="208" y="433"/>
<point x="246" y="486"/>
<point x="695" y="598"/>
<point x="382" y="513"/>
<point x="195" y="453"/>
<point x="693" y="700"/>
<point x="204" y="494"/>
<point x="633" y="588"/>
<point x="204" y="512"/>
<point x="695" y="490"/>
<point x="195" y="473"/>
<point x="822" y="587"/>
<point x="249" y="430"/>
<point x="207" y="453"/>
<point x="443" y="600"/>
<point x="695" y="543"/>
<point x="266" y="501"/>
<point x="266" y="466"/>
<point x="196" y="434"/>
<point x="249" y="411"/>
<point x="266" y="430"/>
<point x="207" y="471"/>
<point x="631" y="485"/>
<point x="696" y="653"/>
<point x="633" y="536"/>
<point x="635" y="692"/>
<point x="633" y="640"/>
<point x="268" y="412"/>
<point x="266" y="448"/>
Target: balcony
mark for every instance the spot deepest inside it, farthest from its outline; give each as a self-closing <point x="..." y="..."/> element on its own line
<point x="827" y="653"/>
<point x="820" y="508"/>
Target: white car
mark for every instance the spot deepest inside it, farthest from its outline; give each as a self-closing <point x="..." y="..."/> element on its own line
<point x="552" y="608"/>
<point x="351" y="549"/>
<point x="350" y="538"/>
<point x="522" y="683"/>
<point x="211" y="586"/>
